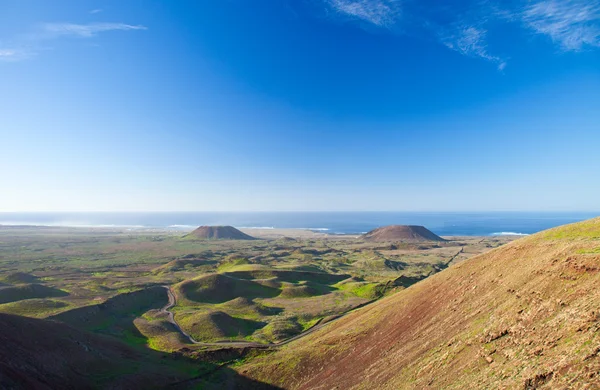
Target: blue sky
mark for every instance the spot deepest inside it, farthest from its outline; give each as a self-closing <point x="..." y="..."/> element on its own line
<point x="299" y="105"/>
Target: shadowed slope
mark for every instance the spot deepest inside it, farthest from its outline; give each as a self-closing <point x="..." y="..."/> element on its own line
<point x="289" y="276"/>
<point x="219" y="233"/>
<point x="219" y="288"/>
<point x="44" y="354"/>
<point x="217" y="325"/>
<point x="28" y="291"/>
<point x="248" y="307"/>
<point x="19" y="278"/>
<point x="118" y="311"/>
<point x="404" y="233"/>
<point x="520" y="316"/>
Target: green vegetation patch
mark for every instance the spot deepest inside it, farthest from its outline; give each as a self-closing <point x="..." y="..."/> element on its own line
<point x="589" y="251"/>
<point x="28" y="291"/>
<point x="232" y="262"/>
<point x="216" y="325"/>
<point x="37" y="308"/>
<point x="302" y="267"/>
<point x="582" y="230"/>
<point x="116" y="315"/>
<point x="219" y="288"/>
<point x="365" y="290"/>
<point x="272" y="282"/>
<point x="281" y="328"/>
<point x="304" y="291"/>
<point x="290" y="276"/>
<point x="18" y="278"/>
<point x="183" y="264"/>
<point x="247" y="308"/>
<point x="160" y="333"/>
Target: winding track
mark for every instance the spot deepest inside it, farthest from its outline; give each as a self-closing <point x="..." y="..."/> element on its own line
<point x="247" y="344"/>
<point x="244" y="344"/>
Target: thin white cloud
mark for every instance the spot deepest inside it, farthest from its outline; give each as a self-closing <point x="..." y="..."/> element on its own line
<point x="382" y="13"/>
<point x="96" y="11"/>
<point x="87" y="30"/>
<point x="572" y="24"/>
<point x="471" y="41"/>
<point x="13" y="55"/>
<point x="465" y="39"/>
<point x="7" y="53"/>
<point x="29" y="45"/>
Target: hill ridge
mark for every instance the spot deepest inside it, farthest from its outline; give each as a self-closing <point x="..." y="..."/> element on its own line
<point x="405" y="233"/>
<point x="522" y="315"/>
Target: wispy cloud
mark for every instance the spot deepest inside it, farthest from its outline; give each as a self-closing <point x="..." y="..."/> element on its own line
<point x="87" y="30"/>
<point x="458" y="35"/>
<point x="29" y="45"/>
<point x="96" y="11"/>
<point x="381" y="13"/>
<point x="471" y="41"/>
<point x="572" y="24"/>
<point x="13" y="55"/>
<point x="7" y="52"/>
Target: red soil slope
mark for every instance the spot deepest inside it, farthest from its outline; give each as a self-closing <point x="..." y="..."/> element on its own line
<point x="524" y="315"/>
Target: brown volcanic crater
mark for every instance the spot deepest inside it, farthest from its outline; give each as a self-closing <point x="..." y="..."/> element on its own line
<point x="405" y="233"/>
<point x="219" y="233"/>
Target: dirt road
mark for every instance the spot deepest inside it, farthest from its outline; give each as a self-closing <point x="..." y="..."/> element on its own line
<point x="243" y="344"/>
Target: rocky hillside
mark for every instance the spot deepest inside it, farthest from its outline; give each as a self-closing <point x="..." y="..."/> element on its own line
<point x="525" y="315"/>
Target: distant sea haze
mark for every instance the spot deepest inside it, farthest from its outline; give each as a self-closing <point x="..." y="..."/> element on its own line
<point x="441" y="223"/>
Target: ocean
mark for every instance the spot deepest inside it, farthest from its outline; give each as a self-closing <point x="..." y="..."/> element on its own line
<point x="441" y="223"/>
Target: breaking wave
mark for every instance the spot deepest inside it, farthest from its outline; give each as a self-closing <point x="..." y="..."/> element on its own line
<point x="509" y="234"/>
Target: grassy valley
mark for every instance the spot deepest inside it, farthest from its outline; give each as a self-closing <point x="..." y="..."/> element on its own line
<point x="262" y="290"/>
<point x="461" y="312"/>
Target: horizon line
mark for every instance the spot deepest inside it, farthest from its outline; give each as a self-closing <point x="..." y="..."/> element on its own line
<point x="295" y="211"/>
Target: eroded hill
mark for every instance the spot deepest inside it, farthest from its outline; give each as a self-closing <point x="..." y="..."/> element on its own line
<point x="520" y="316"/>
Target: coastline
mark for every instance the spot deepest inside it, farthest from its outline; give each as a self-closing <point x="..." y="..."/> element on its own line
<point x="259" y="233"/>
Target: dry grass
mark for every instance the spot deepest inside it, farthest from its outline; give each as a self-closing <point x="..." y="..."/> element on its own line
<point x="520" y="316"/>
